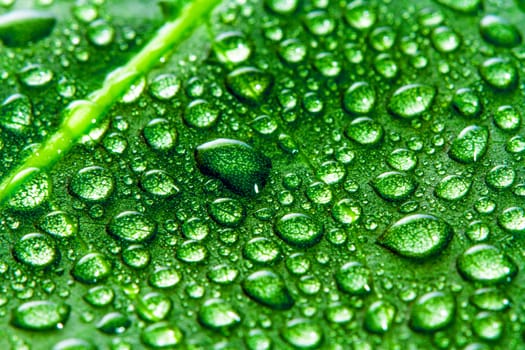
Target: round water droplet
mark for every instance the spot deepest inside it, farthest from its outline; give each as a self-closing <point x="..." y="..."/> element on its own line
<point x="360" y="98"/>
<point x="466" y="101"/>
<point x="200" y="114"/>
<point x="360" y="15"/>
<point x="93" y="184"/>
<point x="223" y="274"/>
<point x="477" y="231"/>
<point x="500" y="177"/>
<point x="386" y="66"/>
<point x="464" y="6"/>
<point x="394" y="186"/>
<point x="354" y="278"/>
<point x="153" y="307"/>
<point x="499" y="32"/>
<point x="293" y="51"/>
<point x="85" y="12"/>
<point x="328" y="64"/>
<point x="115" y="143"/>
<point x="516" y="145"/>
<point x="490" y="299"/>
<point x="499" y="73"/>
<point x="161" y="335"/>
<point x="303" y="334"/>
<point x="445" y="39"/>
<point x="113" y="323"/>
<point x="196" y="229"/>
<point x="192" y="252"/>
<point x="433" y="312"/>
<point x="319" y="22"/>
<point x="132" y="226"/>
<point x="417" y="236"/>
<point x="470" y="145"/>
<point x="382" y="38"/>
<point x="331" y="172"/>
<point x="452" y="188"/>
<point x="512" y="220"/>
<point x="227" y="212"/>
<point x="339" y="314"/>
<point x="264" y="125"/>
<point x="268" y="289"/>
<point x="365" y="131"/>
<point x="249" y="84"/>
<point x="16" y="113"/>
<point x="74" y="344"/>
<point x="379" y="317"/>
<point x="217" y="314"/>
<point x="164" y="277"/>
<point x="35" y="250"/>
<point x="488" y="326"/>
<point x="299" y="230"/>
<point x="238" y="165"/>
<point x="412" y="100"/>
<point x="282" y="7"/>
<point x="486" y="264"/>
<point x="101" y="33"/>
<point x="91" y="268"/>
<point x="507" y="118"/>
<point x="165" y="86"/>
<point x="136" y="256"/>
<point x="232" y="47"/>
<point x="59" y="224"/>
<point x="262" y="250"/>
<point x="159" y="183"/>
<point x="160" y="134"/>
<point x="36" y="75"/>
<point x="346" y="211"/>
<point x="257" y="340"/>
<point x="32" y="193"/>
<point x="40" y="315"/>
<point x="100" y="296"/>
<point x="402" y="159"/>
<point x="23" y="27"/>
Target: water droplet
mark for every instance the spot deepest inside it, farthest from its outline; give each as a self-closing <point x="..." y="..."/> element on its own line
<point x="232" y="48"/>
<point x="227" y="212"/>
<point x="257" y="340"/>
<point x="464" y="6"/>
<point x="339" y="314"/>
<point x="85" y="12"/>
<point x="74" y="344"/>
<point x="113" y="323"/>
<point x="386" y="66"/>
<point x="159" y="183"/>
<point x="331" y="172"/>
<point x="354" y="278"/>
<point x="512" y="220"/>
<point x="268" y="289"/>
<point x="365" y="131"/>
<point x="360" y="98"/>
<point x="360" y="15"/>
<point x="282" y="7"/>
<point x="136" y="256"/>
<point x="35" y="75"/>
<point x="249" y="84"/>
<point x="21" y="27"/>
<point x="477" y="231"/>
<point x="132" y="226"/>
<point x="262" y="250"/>
<point x="239" y="166"/>
<point x="499" y="32"/>
<point x="319" y="22"/>
<point x="486" y="264"/>
<point x="161" y="336"/>
<point x="264" y="125"/>
<point x="100" y="296"/>
<point x="165" y="86"/>
<point x="470" y="145"/>
<point x="412" y="100"/>
<point x="192" y="252"/>
<point x="154" y="307"/>
<point x="40" y="315"/>
<point x="432" y="312"/>
<point x="467" y="103"/>
<point x="402" y="159"/>
<point x="445" y="39"/>
<point x="200" y="114"/>
<point x="328" y="64"/>
<point x="91" y="268"/>
<point x="394" y="186"/>
<point x="293" y="51"/>
<point x="303" y="334"/>
<point x="452" y="188"/>
<point x="35" y="250"/>
<point x="488" y="326"/>
<point x="100" y="33"/>
<point x="490" y="299"/>
<point x="16" y="113"/>
<point x="379" y="317"/>
<point x="160" y="134"/>
<point x="500" y="177"/>
<point x="164" y="277"/>
<point x="417" y="236"/>
<point x="499" y="73"/>
<point x="516" y="145"/>
<point x="59" y="224"/>
<point x="382" y="38"/>
<point x="346" y="211"/>
<point x="32" y="193"/>
<point x="217" y="314"/>
<point x="299" y="230"/>
<point x="507" y="118"/>
<point x="223" y="274"/>
<point x="93" y="184"/>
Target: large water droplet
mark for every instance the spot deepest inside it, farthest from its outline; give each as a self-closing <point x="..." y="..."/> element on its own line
<point x="499" y="32"/>
<point x="487" y="264"/>
<point x="21" y="27"/>
<point x="268" y="289"/>
<point x="432" y="312"/>
<point x="412" y="100"/>
<point x="299" y="230"/>
<point x="40" y="315"/>
<point x="249" y="84"/>
<point x="470" y="145"/>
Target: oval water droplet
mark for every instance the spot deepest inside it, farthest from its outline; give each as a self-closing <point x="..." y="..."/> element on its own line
<point x="394" y="186"/>
<point x="499" y="32"/>
<point x="217" y="314"/>
<point x="499" y="73"/>
<point x="200" y="114"/>
<point x="268" y="288"/>
<point x="40" y="315"/>
<point x="249" y="84"/>
<point x="360" y="98"/>
<point x="432" y="312"/>
<point x="91" y="268"/>
<point x="303" y="334"/>
<point x="470" y="145"/>
<point x="354" y="278"/>
<point x="22" y="27"/>
<point x="486" y="264"/>
<point x="132" y="226"/>
<point x="16" y="113"/>
<point x="512" y="220"/>
<point x="93" y="184"/>
<point x="36" y="250"/>
<point x="412" y="100"/>
<point x="365" y="131"/>
<point x="452" y="188"/>
<point x="299" y="230"/>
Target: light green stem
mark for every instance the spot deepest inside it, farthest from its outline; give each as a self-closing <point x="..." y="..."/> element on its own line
<point x="82" y="115"/>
